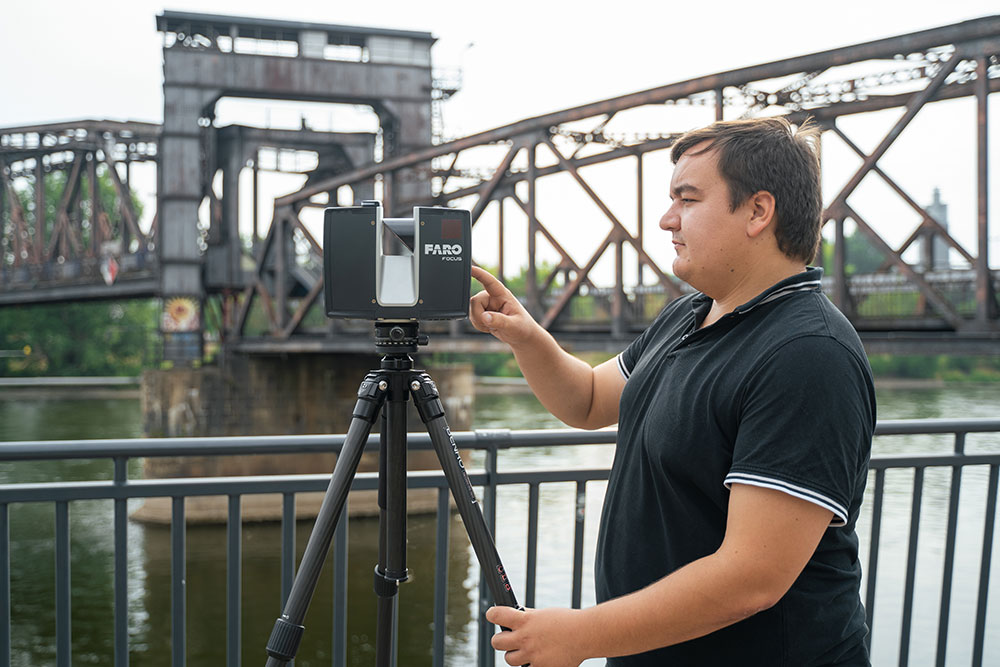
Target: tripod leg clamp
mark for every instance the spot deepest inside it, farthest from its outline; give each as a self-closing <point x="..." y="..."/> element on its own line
<point x="426" y="397"/>
<point x="285" y="639"/>
<point x="386" y="586"/>
<point x="371" y="395"/>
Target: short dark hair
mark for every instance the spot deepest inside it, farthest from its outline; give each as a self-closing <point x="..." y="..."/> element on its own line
<point x="769" y="154"/>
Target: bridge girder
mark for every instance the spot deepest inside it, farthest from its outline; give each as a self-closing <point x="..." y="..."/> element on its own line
<point x="943" y="63"/>
<point x="909" y="72"/>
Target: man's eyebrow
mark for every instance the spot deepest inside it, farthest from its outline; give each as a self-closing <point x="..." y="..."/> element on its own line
<point x="683" y="188"/>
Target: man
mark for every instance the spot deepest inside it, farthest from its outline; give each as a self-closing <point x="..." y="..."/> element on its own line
<point x="745" y="417"/>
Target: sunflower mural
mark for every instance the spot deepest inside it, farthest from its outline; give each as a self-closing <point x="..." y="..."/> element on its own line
<point x="181" y="313"/>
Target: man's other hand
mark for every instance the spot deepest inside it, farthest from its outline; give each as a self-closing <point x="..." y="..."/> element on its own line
<point x="496" y="311"/>
<point x="539" y="637"/>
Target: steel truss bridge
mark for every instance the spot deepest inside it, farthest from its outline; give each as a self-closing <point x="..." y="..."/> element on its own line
<point x="264" y="296"/>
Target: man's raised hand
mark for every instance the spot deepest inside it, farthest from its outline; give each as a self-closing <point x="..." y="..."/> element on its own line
<point x="496" y="311"/>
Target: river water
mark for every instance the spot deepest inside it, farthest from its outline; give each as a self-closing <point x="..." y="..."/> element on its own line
<point x="33" y="570"/>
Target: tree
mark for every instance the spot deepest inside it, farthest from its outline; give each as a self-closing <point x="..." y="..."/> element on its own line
<point x="80" y="338"/>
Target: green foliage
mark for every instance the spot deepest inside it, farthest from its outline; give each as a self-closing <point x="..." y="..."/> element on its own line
<point x="518" y="285"/>
<point x="860" y="255"/>
<point x="936" y="367"/>
<point x="485" y="364"/>
<point x="80" y="339"/>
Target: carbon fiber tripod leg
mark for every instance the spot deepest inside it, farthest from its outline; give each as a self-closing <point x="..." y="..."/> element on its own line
<point x="288" y="629"/>
<point x="391" y="569"/>
<point x="431" y="410"/>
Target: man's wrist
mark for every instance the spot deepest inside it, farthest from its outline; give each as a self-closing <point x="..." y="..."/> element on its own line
<point x="590" y="631"/>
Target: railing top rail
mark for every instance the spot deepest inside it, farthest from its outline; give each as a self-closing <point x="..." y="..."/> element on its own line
<point x="480" y="439"/>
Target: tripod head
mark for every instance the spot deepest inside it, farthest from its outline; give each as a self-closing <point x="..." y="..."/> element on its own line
<point x="397" y="339"/>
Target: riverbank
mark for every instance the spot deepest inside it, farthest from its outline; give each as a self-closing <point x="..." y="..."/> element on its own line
<point x="68" y="388"/>
<point x="514" y="385"/>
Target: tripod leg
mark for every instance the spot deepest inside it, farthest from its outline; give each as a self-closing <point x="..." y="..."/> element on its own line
<point x="428" y="402"/>
<point x="391" y="569"/>
<point x="288" y="629"/>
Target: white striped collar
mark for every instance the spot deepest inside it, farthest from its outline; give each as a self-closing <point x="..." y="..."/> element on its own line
<point x="809" y="280"/>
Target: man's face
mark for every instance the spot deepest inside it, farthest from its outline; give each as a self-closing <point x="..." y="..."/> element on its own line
<point x="710" y="240"/>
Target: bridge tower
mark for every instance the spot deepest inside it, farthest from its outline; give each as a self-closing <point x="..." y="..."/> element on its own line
<point x="208" y="57"/>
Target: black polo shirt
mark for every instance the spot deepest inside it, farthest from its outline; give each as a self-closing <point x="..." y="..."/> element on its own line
<point x="777" y="394"/>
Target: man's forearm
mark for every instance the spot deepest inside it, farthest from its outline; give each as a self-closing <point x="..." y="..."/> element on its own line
<point x="562" y="383"/>
<point x="698" y="599"/>
<point x="770" y="537"/>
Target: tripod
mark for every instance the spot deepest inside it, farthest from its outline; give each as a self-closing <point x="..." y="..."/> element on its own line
<point x="390" y="387"/>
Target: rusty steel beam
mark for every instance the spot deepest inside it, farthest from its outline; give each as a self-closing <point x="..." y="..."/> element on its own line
<point x="135" y="128"/>
<point x="570" y="290"/>
<point x="487" y="189"/>
<point x="95" y="232"/>
<point x="983" y="28"/>
<point x="513" y="178"/>
<point x="566" y="259"/>
<point x="825" y="114"/>
<point x="126" y="208"/>
<point x="17" y="218"/>
<point x="618" y="227"/>
<point x="985" y="298"/>
<point x="533" y="295"/>
<point x="945" y="309"/>
<point x="62" y="234"/>
<point x="927" y="222"/>
<point x="300" y="312"/>
<point x="841" y="295"/>
<point x="916" y="103"/>
<point x="38" y="243"/>
<point x="639" y="213"/>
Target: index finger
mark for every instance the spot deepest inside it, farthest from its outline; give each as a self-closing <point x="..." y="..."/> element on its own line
<point x="493" y="286"/>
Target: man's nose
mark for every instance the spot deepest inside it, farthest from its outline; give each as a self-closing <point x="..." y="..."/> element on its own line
<point x="669" y="221"/>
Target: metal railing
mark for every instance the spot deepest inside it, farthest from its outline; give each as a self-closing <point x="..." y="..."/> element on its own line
<point x="120" y="489"/>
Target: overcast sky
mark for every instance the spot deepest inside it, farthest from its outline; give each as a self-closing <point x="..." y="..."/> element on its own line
<point x="68" y="59"/>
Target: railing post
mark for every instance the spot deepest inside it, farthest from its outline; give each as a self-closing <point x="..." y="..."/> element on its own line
<point x="532" y="565"/>
<point x="234" y="581"/>
<point x="287" y="545"/>
<point x="121" y="566"/>
<point x="178" y="583"/>
<point x="949" y="551"/>
<point x="873" y="544"/>
<point x="4" y="584"/>
<point x="581" y="513"/>
<point x="984" y="568"/>
<point x="911" y="566"/>
<point x="64" y="644"/>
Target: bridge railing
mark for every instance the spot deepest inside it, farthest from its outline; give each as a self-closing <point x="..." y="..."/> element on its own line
<point x="978" y="464"/>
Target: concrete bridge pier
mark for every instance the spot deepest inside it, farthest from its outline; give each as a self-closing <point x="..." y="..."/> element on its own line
<point x="276" y="395"/>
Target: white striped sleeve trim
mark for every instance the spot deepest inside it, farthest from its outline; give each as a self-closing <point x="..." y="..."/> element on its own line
<point x="839" y="511"/>
<point x="621" y="367"/>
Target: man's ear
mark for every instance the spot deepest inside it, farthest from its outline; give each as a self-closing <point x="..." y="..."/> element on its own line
<point x="762" y="213"/>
